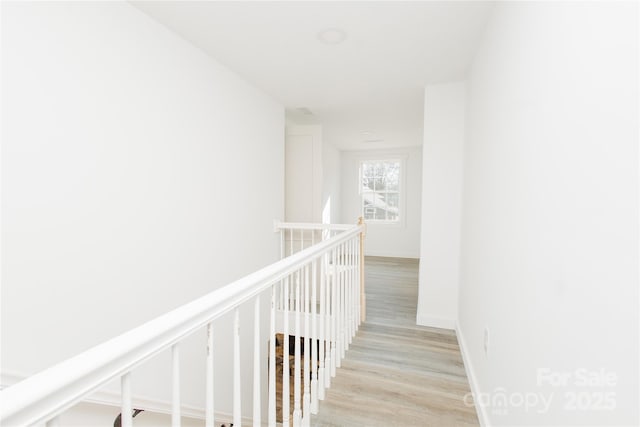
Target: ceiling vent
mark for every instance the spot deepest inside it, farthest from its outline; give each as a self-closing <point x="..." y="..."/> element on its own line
<point x="368" y="137"/>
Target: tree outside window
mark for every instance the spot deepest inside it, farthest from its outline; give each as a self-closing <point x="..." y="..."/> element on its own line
<point x="380" y="190"/>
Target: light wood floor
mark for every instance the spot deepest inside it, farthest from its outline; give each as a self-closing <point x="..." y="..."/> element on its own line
<point x="396" y="373"/>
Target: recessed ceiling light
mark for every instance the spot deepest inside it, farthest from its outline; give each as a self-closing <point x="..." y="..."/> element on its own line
<point x="332" y="36"/>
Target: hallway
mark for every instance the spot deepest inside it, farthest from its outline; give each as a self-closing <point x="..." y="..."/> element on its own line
<point x="397" y="373"/>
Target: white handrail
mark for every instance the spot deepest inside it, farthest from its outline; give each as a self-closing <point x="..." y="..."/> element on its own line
<point x="309" y="226"/>
<point x="47" y="394"/>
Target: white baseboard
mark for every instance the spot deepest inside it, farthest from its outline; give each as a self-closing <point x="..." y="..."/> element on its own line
<point x="395" y="255"/>
<point x="481" y="411"/>
<point x="435" y="322"/>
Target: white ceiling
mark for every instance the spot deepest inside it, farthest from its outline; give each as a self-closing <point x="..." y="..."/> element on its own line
<point x="372" y="82"/>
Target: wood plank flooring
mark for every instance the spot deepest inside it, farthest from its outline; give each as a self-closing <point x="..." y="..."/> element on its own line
<point x="396" y="373"/>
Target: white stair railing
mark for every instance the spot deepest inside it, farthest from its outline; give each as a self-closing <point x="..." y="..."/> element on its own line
<point x="325" y="295"/>
<point x="320" y="283"/>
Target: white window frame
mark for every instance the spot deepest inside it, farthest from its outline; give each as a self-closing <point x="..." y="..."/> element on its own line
<point x="402" y="211"/>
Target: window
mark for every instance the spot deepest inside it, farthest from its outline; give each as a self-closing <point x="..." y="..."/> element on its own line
<point x="380" y="190"/>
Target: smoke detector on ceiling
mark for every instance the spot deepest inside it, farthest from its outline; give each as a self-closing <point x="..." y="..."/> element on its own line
<point x="332" y="36"/>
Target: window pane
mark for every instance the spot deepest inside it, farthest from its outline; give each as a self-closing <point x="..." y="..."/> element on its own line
<point x="368" y="170"/>
<point x="393" y="176"/>
<point x="367" y="184"/>
<point x="369" y="209"/>
<point x="379" y="169"/>
<point x="380" y="190"/>
<point x="391" y="201"/>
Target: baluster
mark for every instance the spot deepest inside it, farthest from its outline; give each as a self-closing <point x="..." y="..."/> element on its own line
<point x="286" y="375"/>
<point x="209" y="414"/>
<point x="356" y="286"/>
<point x="283" y="251"/>
<point x="361" y="284"/>
<point x="301" y="249"/>
<point x="126" y="416"/>
<point x="175" y="374"/>
<point x="347" y="295"/>
<point x="297" y="413"/>
<point x="334" y="312"/>
<point x="321" y="329"/>
<point x="340" y="308"/>
<point x="306" y="401"/>
<point x="283" y="245"/>
<point x="358" y="282"/>
<point x="343" y="301"/>
<point x="347" y="299"/>
<point x="314" y="337"/>
<point x="291" y="249"/>
<point x="328" y="335"/>
<point x="291" y="242"/>
<point x="352" y="286"/>
<point x="256" y="363"/>
<point x="272" y="358"/>
<point x="283" y="232"/>
<point x="348" y="291"/>
<point x="237" y="408"/>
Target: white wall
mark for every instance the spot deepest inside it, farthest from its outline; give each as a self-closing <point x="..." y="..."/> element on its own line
<point x="312" y="175"/>
<point x="135" y="170"/>
<point x="442" y="165"/>
<point x="386" y="240"/>
<point x="550" y="219"/>
<point x="332" y="183"/>
<point x="303" y="173"/>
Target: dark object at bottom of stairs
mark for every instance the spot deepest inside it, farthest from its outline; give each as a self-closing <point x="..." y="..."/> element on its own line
<point x="118" y="420"/>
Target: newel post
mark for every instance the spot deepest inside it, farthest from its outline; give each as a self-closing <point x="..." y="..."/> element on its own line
<point x="363" y="300"/>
